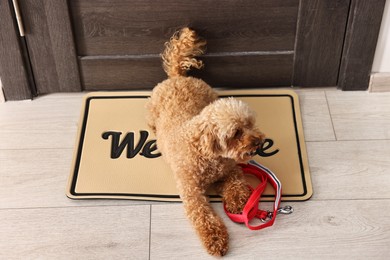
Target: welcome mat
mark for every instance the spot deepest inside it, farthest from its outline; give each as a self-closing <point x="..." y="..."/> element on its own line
<point x="116" y="156"/>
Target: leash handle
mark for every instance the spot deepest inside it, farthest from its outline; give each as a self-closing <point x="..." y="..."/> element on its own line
<point x="251" y="209"/>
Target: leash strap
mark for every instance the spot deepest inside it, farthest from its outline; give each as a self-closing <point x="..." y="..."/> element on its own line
<point x="251" y="209"/>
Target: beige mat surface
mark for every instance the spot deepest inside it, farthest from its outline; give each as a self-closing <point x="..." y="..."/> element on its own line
<point x="116" y="155"/>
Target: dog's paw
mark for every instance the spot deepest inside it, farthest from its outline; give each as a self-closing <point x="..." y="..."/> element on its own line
<point x="235" y="201"/>
<point x="217" y="241"/>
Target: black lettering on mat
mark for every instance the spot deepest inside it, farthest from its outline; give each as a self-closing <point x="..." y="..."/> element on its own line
<point x="148" y="148"/>
<point x="129" y="141"/>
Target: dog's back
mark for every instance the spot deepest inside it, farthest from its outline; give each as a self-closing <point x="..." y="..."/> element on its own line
<point x="179" y="98"/>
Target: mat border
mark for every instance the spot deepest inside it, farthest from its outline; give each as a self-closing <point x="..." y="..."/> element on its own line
<point x="71" y="191"/>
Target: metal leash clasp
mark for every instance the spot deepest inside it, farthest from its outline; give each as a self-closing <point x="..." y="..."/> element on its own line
<point x="282" y="210"/>
<point x="285" y="210"/>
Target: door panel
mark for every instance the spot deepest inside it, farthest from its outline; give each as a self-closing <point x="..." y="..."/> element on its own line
<point x="247" y="71"/>
<point x="360" y="41"/>
<point x="320" y="40"/>
<point x="120" y="73"/>
<point x="124" y="27"/>
<point x="250" y="43"/>
<point x="220" y="71"/>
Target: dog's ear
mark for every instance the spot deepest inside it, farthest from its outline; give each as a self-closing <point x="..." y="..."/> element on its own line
<point x="216" y="146"/>
<point x="209" y="142"/>
<point x="230" y="137"/>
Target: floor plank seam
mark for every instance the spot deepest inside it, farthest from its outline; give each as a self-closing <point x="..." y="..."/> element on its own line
<point x="347" y="140"/>
<point x="362" y="140"/>
<point x="150" y="229"/>
<point x="34" y="149"/>
<point x="75" y="207"/>
<point x="169" y="204"/>
<point x="330" y="115"/>
<point x="320" y="141"/>
<point x="348" y="199"/>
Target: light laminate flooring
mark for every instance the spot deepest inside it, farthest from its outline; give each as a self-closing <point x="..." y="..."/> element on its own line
<point x="348" y="140"/>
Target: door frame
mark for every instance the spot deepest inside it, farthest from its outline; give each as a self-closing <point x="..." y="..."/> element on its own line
<point x="364" y="22"/>
<point x="17" y="82"/>
<point x="41" y="64"/>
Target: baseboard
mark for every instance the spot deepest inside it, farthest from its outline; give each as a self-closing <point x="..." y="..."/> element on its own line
<point x="380" y="82"/>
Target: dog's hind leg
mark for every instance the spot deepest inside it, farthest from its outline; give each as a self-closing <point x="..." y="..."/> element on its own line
<point x="206" y="222"/>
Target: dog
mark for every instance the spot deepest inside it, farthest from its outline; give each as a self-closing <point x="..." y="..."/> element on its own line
<point x="202" y="138"/>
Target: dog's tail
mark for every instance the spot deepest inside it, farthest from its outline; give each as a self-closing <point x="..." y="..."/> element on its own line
<point x="180" y="52"/>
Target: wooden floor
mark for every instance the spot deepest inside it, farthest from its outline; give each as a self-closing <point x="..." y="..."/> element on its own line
<point x="348" y="217"/>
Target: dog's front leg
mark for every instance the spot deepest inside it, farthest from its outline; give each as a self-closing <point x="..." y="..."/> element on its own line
<point x="234" y="190"/>
<point x="208" y="225"/>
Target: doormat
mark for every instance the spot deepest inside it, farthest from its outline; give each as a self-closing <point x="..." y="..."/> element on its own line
<point x="116" y="156"/>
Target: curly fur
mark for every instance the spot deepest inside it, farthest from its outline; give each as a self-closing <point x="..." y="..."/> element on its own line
<point x="180" y="52"/>
<point x="202" y="138"/>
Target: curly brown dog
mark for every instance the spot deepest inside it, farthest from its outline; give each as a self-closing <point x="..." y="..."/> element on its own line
<point x="202" y="138"/>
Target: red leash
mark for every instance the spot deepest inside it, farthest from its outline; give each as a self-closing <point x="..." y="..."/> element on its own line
<point x="251" y="209"/>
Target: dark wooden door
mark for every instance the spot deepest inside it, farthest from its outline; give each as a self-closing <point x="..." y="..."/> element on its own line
<point x="250" y="43"/>
<point x="115" y="44"/>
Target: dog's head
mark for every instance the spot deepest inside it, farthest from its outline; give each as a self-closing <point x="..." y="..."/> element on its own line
<point x="231" y="131"/>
